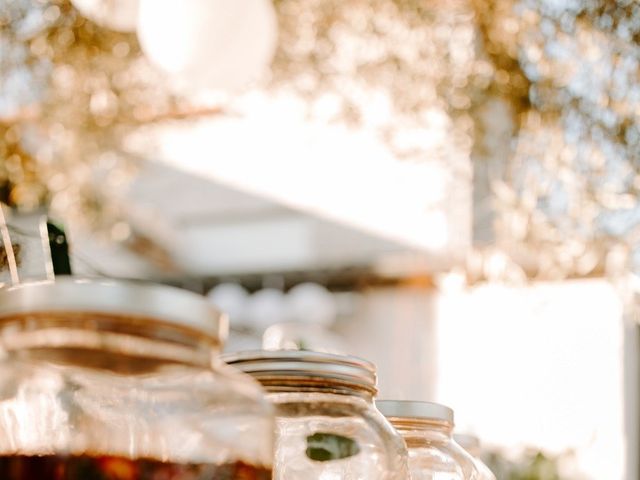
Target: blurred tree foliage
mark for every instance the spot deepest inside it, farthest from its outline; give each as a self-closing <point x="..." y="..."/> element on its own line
<point x="542" y="95"/>
<point x="70" y="93"/>
<point x="569" y="187"/>
<point x="532" y="465"/>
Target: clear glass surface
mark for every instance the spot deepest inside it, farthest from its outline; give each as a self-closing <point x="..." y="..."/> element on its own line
<point x="484" y="471"/>
<point x="472" y="446"/>
<point x="97" y="385"/>
<point x="433" y="454"/>
<point x="381" y="454"/>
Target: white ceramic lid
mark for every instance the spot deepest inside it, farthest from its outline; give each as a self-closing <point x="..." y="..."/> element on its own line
<point x="410" y="409"/>
<point x="128" y="298"/>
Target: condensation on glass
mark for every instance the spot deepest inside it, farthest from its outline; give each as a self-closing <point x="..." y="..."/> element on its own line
<point x="472" y="445"/>
<point x="119" y="380"/>
<point x="328" y="426"/>
<point x="427" y="429"/>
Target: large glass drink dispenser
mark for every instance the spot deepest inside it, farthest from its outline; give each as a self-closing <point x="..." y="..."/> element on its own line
<point x="120" y="381"/>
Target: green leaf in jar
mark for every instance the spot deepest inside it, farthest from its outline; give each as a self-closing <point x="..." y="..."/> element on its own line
<point x="323" y="447"/>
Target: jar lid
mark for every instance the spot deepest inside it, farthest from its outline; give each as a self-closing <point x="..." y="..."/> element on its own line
<point x="420" y="410"/>
<point x="286" y="364"/>
<point x="68" y="294"/>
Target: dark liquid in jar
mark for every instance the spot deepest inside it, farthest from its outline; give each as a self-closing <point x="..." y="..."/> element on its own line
<point x="89" y="467"/>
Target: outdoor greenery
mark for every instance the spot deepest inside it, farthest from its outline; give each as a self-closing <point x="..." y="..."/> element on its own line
<point x="536" y="100"/>
<point x="532" y="465"/>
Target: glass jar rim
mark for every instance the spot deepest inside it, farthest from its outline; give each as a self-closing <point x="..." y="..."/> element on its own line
<point x="467" y="440"/>
<point x="405" y="409"/>
<point x="124" y="298"/>
<point x="291" y="364"/>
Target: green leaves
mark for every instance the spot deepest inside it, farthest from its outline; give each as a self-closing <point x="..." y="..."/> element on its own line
<point x="323" y="447"/>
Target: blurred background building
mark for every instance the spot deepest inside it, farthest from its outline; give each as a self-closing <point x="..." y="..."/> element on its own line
<point x="449" y="189"/>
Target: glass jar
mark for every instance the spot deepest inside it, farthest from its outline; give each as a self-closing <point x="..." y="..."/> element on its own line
<point x="327" y="425"/>
<point x="121" y="381"/>
<point x="427" y="429"/>
<point x="471" y="444"/>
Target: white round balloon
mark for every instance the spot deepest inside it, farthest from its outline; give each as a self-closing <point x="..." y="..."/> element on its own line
<point x="233" y="300"/>
<point x="266" y="308"/>
<point x="222" y="44"/>
<point x="311" y="303"/>
<point x="118" y="15"/>
<point x="303" y="336"/>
